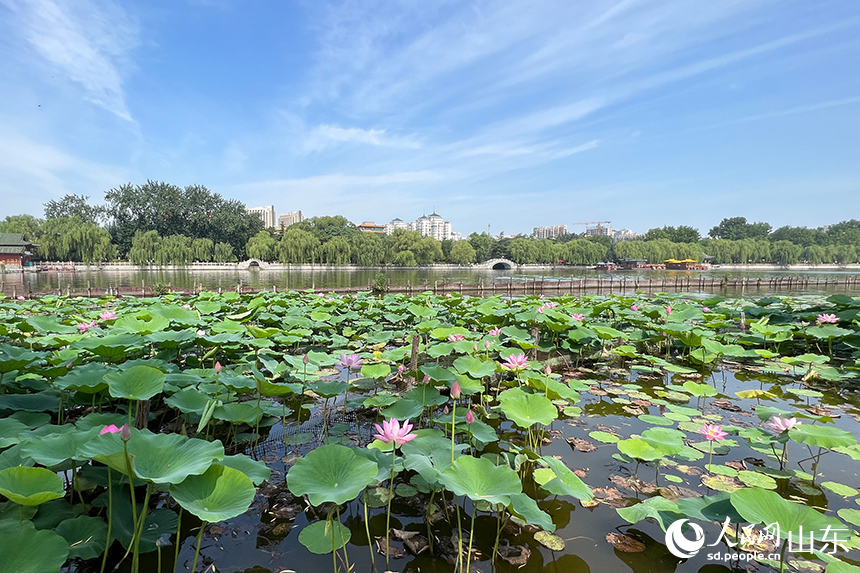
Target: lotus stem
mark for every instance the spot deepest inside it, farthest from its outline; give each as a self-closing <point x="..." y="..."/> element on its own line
<point x="197" y="551"/>
<point x="345" y="552"/>
<point x="110" y="520"/>
<point x="453" y="427"/>
<point x="367" y="529"/>
<point x="176" y="549"/>
<point x="390" y="497"/>
<point x="138" y="530"/>
<point x="471" y="536"/>
<point x="130" y="480"/>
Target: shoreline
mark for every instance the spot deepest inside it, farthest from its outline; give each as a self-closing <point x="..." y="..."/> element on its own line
<point x="278" y="267"/>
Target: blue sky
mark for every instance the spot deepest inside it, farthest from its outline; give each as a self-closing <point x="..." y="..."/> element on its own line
<point x="507" y="113"/>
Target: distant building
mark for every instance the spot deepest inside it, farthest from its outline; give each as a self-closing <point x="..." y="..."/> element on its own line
<point x="432" y="225"/>
<point x="625" y="235"/>
<point x="267" y="214"/>
<point x="394" y="225"/>
<point x="288" y="219"/>
<point x="15" y="251"/>
<point x="553" y="232"/>
<point x="372" y="228"/>
<point x="598" y="231"/>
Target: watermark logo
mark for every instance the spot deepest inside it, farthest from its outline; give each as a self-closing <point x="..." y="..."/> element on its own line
<point x="678" y="543"/>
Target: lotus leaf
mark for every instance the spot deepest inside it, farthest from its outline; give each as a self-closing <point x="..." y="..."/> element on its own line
<point x="527" y="509"/>
<point x="30" y="486"/>
<point x="135" y="383"/>
<point x="324" y="536"/>
<point x="257" y="472"/>
<point x="480" y="479"/>
<point x="25" y="549"/>
<point x="821" y="436"/>
<point x="709" y="508"/>
<point x="85" y="535"/>
<point x="663" y="510"/>
<point x="639" y="449"/>
<point x="525" y="410"/>
<point x="331" y="473"/>
<point x="218" y="494"/>
<point x="760" y="506"/>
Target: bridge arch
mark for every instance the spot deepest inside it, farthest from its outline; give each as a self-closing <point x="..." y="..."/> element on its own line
<point x="500" y="264"/>
<point x="245" y="265"/>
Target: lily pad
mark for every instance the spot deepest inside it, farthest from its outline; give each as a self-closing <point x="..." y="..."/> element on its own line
<point x="480" y="479"/>
<point x="30" y="486"/>
<point x="331" y="473"/>
<point x="324" y="537"/>
<point x="526" y="410"/>
<point x="135" y="383"/>
<point x="218" y="494"/>
<point x="760" y="506"/>
<point x="25" y="549"/>
<point x="86" y="536"/>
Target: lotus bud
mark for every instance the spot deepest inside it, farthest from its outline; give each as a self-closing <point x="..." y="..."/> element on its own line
<point x="217" y="368"/>
<point x="201" y="333"/>
<point x="401" y="368"/>
<point x="426" y="379"/>
<point x="455" y="390"/>
<point x="305" y="359"/>
<point x="475" y="347"/>
<point x="548" y="370"/>
<point x="125" y="433"/>
<point x="470" y="417"/>
<point x="446" y="411"/>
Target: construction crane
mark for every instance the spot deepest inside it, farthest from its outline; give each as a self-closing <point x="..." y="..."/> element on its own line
<point x="598" y="223"/>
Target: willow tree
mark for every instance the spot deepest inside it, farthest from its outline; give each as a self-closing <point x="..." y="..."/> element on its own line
<point x="202" y="250"/>
<point x="224" y="253"/>
<point x="335" y="251"/>
<point x="262" y="246"/>
<point x="144" y="248"/>
<point x="298" y="246"/>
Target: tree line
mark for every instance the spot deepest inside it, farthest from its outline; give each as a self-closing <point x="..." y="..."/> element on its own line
<point x="162" y="224"/>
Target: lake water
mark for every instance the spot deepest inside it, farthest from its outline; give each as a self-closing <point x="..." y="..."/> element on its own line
<point x="340" y="277"/>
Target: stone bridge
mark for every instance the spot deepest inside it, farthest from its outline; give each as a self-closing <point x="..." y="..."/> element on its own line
<point x="251" y="263"/>
<point x="499" y="264"/>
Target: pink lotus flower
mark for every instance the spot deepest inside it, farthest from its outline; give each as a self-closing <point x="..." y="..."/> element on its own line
<point x="827" y="319"/>
<point x="186" y="306"/>
<point x="217" y="367"/>
<point x="107" y="315"/>
<point x="201" y="333"/>
<point x="714" y="432"/>
<point x="86" y="326"/>
<point x="668" y="310"/>
<point x="495" y="331"/>
<point x="634" y="307"/>
<point x="540" y="309"/>
<point x="391" y="431"/>
<point x="578" y="317"/>
<point x="551" y="305"/>
<point x="470" y="417"/>
<point x="515" y="362"/>
<point x="487" y="344"/>
<point x="706" y="309"/>
<point x="350" y="361"/>
<point x="401" y="368"/>
<point x="111" y="429"/>
<point x="456" y="337"/>
<point x="21" y="297"/>
<point x="455" y="390"/>
<point x="782" y="424"/>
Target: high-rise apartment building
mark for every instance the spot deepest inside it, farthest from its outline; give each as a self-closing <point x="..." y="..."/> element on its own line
<point x="288" y="219"/>
<point x="267" y="214"/>
<point x="432" y="225"/>
<point x="553" y="232"/>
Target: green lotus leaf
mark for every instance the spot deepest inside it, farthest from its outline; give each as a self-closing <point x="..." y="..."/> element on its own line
<point x="13" y="358"/>
<point x="134" y="325"/>
<point x="328" y="388"/>
<point x="663" y="510"/>
<point x="639" y="449"/>
<point x="755" y="479"/>
<point x="170" y="458"/>
<point x="30" y="486"/>
<point x="821" y="436"/>
<point x="171" y="338"/>
<point x="656" y="420"/>
<point x="52" y="450"/>
<point x="475" y="367"/>
<point x="238" y="413"/>
<point x="668" y="441"/>
<point x="85" y="535"/>
<point x="188" y="401"/>
<point x="10" y="429"/>
<point x="258" y="472"/>
<point x="709" y="508"/>
<point x="481" y="479"/>
<point x="87" y="378"/>
<point x="135" y="383"/>
<point x="760" y="506"/>
<point x="331" y="473"/>
<point x="566" y="482"/>
<point x="852" y="516"/>
<point x="379" y="371"/>
<point x="112" y="346"/>
<point x="699" y="390"/>
<point x="157" y="523"/>
<point x="604" y="437"/>
<point x="324" y="537"/>
<point x="47" y="401"/>
<point x="527" y="509"/>
<point x="25" y="549"/>
<point x="837" y="566"/>
<point x="840" y="489"/>
<point x="525" y="410"/>
<point x="220" y="493"/>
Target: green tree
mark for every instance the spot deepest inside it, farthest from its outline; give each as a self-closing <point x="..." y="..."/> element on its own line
<point x="405" y="259"/>
<point x="462" y="253"/>
<point x="202" y="250"/>
<point x="814" y="254"/>
<point x="73" y="206"/>
<point x="737" y="228"/>
<point x="28" y="225"/>
<point x="482" y="244"/>
<point x="262" y="246"/>
<point x="144" y="248"/>
<point x="174" y="250"/>
<point x="224" y="253"/>
<point x="298" y="246"/>
<point x="171" y="210"/>
<point x="335" y="251"/>
<point x="798" y="235"/>
<point x="429" y="251"/>
<point x="367" y="250"/>
<point x="785" y="253"/>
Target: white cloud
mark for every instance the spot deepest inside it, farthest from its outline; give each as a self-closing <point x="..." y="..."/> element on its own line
<point x="323" y="136"/>
<point x="87" y="42"/>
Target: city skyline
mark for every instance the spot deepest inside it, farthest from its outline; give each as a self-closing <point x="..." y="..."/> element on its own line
<point x="643" y="113"/>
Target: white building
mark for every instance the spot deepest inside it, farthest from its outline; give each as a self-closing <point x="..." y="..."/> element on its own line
<point x="599" y="230"/>
<point x="288" y="219"/>
<point x="553" y="232"/>
<point x="267" y="214"/>
<point x="432" y="225"/>
<point x="626" y="235"/>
